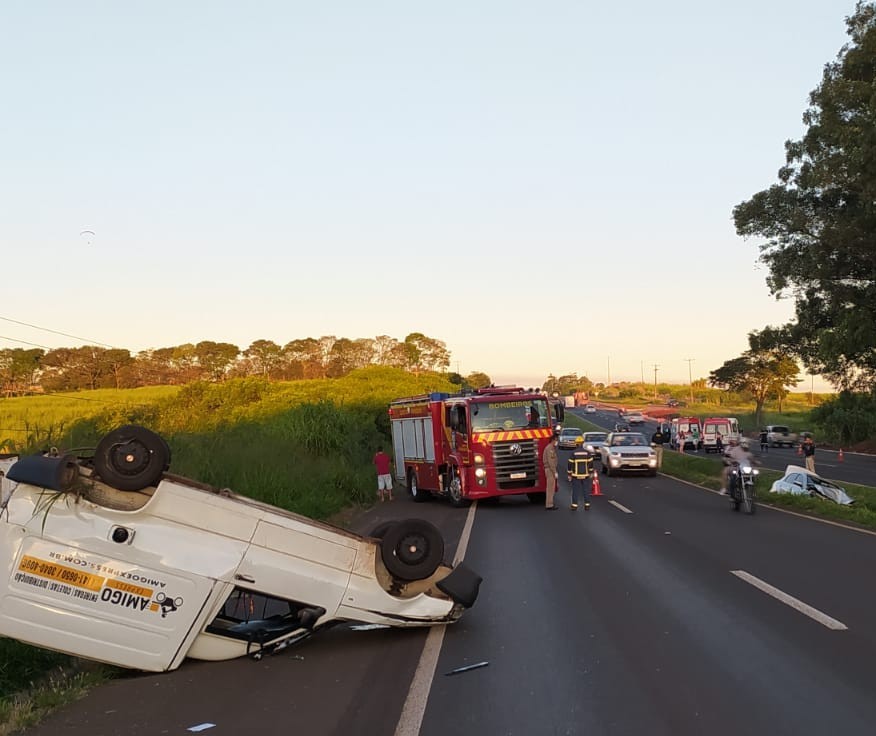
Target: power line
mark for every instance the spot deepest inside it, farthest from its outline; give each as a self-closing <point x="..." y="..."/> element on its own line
<point x="25" y="342"/>
<point x="55" y="332"/>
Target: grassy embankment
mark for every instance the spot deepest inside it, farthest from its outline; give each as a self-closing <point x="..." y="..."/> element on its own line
<point x="706" y="471"/>
<point x="305" y="446"/>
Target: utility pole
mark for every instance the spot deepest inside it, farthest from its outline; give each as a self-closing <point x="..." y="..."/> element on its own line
<point x="656" y="368"/>
<point x="690" y="376"/>
<point x="642" y="366"/>
<point x="609" y="372"/>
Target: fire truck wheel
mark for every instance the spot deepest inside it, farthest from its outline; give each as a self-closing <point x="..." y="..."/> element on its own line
<point x="455" y="490"/>
<point x="537" y="498"/>
<point x="379" y="532"/>
<point x="416" y="494"/>
<point x="131" y="458"/>
<point x="412" y="549"/>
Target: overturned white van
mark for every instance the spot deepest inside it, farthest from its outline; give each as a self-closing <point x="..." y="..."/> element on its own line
<point x="116" y="560"/>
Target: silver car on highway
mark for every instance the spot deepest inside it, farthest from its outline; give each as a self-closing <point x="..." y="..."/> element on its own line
<point x="593" y="441"/>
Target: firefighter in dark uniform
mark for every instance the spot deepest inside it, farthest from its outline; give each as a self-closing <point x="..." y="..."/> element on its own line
<point x="579" y="471"/>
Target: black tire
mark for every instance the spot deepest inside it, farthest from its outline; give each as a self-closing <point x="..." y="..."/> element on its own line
<point x="418" y="495"/>
<point x="454" y="491"/>
<point x="379" y="532"/>
<point x="131" y="458"/>
<point x="537" y="498"/>
<point x="652" y="473"/>
<point x="747" y="499"/>
<point x="412" y="549"/>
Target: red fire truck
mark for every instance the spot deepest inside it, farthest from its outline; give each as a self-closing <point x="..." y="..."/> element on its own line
<point x="472" y="445"/>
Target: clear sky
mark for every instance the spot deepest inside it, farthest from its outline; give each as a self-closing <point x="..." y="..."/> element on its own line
<point x="545" y="186"/>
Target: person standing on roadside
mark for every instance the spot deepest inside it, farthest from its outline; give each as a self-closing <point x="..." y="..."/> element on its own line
<point x="808" y="448"/>
<point x="719" y="444"/>
<point x="549" y="460"/>
<point x="680" y="440"/>
<point x="384" y="475"/>
<point x="764" y="441"/>
<point x="658" y="439"/>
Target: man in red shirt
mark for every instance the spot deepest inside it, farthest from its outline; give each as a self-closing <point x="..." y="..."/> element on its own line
<point x="384" y="475"/>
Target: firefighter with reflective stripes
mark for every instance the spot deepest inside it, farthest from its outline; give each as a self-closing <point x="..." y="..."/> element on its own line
<point x="579" y="472"/>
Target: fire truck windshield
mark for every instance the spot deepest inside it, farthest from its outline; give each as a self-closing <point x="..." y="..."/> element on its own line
<point x="512" y="414"/>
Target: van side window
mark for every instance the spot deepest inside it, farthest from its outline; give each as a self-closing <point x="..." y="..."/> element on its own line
<point x="259" y="618"/>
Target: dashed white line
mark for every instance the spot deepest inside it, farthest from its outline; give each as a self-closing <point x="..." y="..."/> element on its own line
<point x="789" y="600"/>
<point x="418" y="695"/>
<point x="621" y="507"/>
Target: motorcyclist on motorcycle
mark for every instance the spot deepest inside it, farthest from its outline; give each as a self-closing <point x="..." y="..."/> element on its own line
<point x="736" y="453"/>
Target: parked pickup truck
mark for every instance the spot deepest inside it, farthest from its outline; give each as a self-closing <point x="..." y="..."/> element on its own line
<point x="778" y="435"/>
<point x="115" y="559"/>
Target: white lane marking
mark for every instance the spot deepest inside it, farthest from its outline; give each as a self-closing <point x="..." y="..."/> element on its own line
<point x="418" y="695"/>
<point x="789" y="600"/>
<point x="621" y="507"/>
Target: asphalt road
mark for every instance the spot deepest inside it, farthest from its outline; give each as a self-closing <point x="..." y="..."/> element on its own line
<point x="632" y="618"/>
<point x="854" y="468"/>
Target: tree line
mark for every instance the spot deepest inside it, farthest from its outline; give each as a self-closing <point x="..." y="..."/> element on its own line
<point x="817" y="232"/>
<point x="24" y="371"/>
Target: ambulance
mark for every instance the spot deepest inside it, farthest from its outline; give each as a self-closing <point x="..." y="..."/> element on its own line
<point x="726" y="427"/>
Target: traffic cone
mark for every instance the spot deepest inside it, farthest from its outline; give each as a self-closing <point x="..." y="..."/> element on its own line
<point x="839" y="457"/>
<point x="594" y="489"/>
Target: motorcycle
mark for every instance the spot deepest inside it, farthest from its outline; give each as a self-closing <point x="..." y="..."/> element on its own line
<point x="742" y="492"/>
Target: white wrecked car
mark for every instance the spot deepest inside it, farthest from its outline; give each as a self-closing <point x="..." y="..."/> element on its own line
<point x="115" y="560"/>
<point x="800" y="481"/>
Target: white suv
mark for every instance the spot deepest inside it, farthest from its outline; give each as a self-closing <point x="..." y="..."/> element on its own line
<point x="627" y="451"/>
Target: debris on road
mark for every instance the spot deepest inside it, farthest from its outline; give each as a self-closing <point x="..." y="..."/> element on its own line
<point x="466" y="668"/>
<point x="201" y="727"/>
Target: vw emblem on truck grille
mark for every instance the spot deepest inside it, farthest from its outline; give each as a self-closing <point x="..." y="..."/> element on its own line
<point x="515" y="449"/>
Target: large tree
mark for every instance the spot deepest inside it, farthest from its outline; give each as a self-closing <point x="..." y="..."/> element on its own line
<point x="762" y="373"/>
<point x="819" y="222"/>
<point x="18" y="369"/>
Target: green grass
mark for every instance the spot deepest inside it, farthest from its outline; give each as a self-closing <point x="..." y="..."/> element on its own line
<point x="36" y="681"/>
